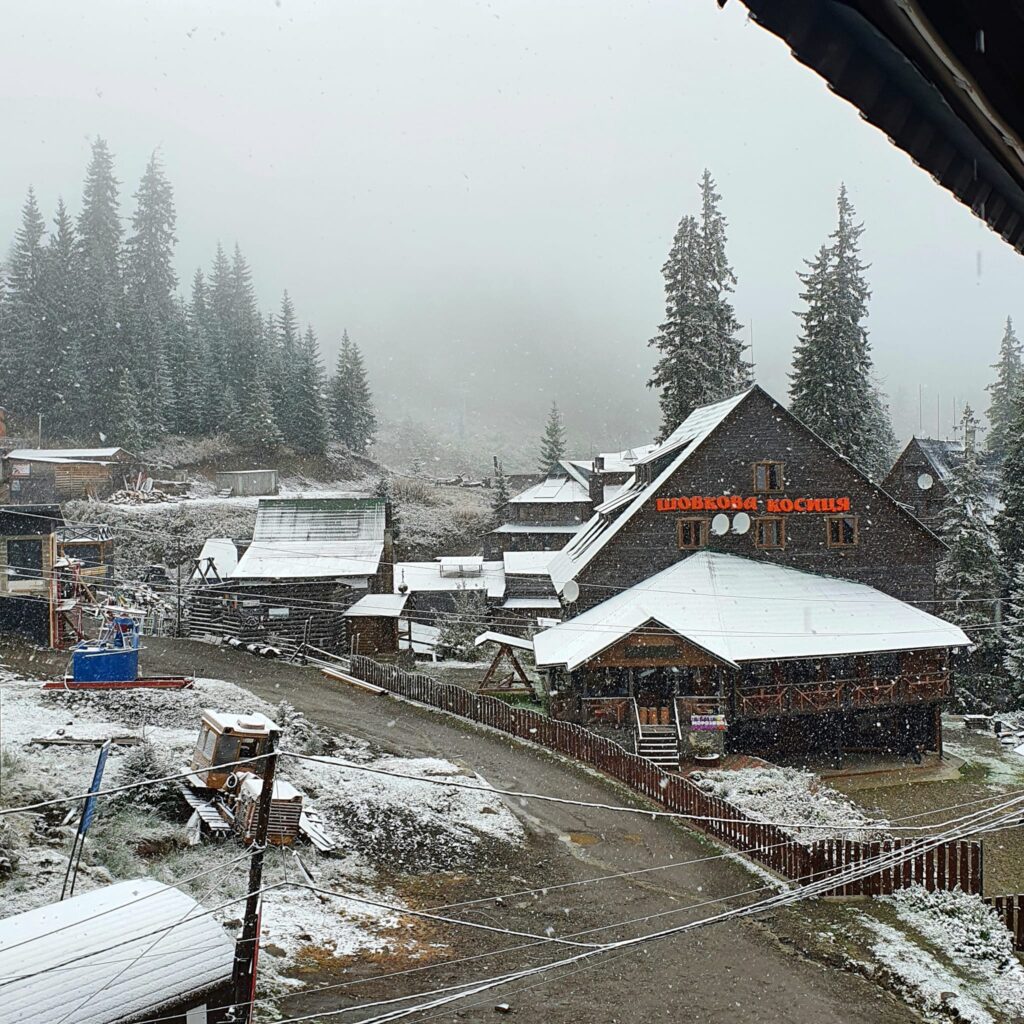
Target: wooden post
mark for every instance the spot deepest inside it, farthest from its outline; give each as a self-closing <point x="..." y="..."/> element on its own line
<point x="243" y="975"/>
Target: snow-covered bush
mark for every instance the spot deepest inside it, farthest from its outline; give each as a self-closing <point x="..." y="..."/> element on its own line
<point x="148" y="761"/>
<point x="460" y="628"/>
<point x="9" y="856"/>
<point x="791" y="799"/>
<point x="298" y="733"/>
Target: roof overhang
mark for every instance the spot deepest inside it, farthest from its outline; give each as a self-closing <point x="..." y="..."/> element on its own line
<point x="943" y="79"/>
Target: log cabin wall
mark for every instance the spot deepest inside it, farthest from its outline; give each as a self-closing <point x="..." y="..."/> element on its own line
<point x="902" y="484"/>
<point x="373" y="636"/>
<point x="894" y="553"/>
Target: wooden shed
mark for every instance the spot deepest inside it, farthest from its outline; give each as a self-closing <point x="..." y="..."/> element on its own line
<point x="61" y="474"/>
<point x="247" y="482"/>
<point x="373" y="625"/>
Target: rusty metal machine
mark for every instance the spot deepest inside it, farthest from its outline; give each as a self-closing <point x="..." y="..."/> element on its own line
<point x="225" y="799"/>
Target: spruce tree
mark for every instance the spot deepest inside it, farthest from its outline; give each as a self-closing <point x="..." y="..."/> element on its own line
<point x="1011" y="493"/>
<point x="351" y="404"/>
<point x="220" y="395"/>
<point x="700" y="356"/>
<point x="284" y="358"/>
<point x="63" y="297"/>
<point x="308" y="430"/>
<point x="27" y="363"/>
<point x="499" y="494"/>
<point x="103" y="338"/>
<point x="1013" y="642"/>
<point x="832" y="389"/>
<point x="1004" y="390"/>
<point x="126" y="428"/>
<point x="552" y="443"/>
<point x="969" y="578"/>
<point x="150" y="286"/>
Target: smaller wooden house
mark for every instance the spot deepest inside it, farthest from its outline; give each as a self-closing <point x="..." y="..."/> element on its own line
<point x="91" y="959"/>
<point x="90" y="546"/>
<point x="61" y="474"/>
<point x="373" y="625"/>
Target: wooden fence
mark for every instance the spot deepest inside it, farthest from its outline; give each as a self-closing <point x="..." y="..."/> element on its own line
<point x="1011" y="911"/>
<point x="947" y="866"/>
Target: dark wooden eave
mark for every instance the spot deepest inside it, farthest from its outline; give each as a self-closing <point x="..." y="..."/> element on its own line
<point x="944" y="79"/>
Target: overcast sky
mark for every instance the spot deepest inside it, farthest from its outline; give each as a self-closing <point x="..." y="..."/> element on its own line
<point x="484" y="193"/>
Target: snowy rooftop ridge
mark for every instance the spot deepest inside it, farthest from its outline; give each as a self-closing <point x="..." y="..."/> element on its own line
<point x="741" y="609"/>
<point x="70" y="454"/>
<point x="683" y="441"/>
<point x="314" y="538"/>
<point x="164" y="951"/>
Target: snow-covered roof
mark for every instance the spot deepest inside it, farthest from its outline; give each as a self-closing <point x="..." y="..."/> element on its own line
<point x="527" y="563"/>
<point x="253" y="723"/>
<point x="64" y="454"/>
<point x="741" y="609"/>
<point x="222" y="552"/>
<point x="384" y="606"/>
<point x="942" y="455"/>
<point x="554" y="490"/>
<point x="120" y="953"/>
<point x="426" y="577"/>
<point x="624" y="461"/>
<point x="490" y="637"/>
<point x="314" y="538"/>
<point x="539" y="528"/>
<point x="681" y="443"/>
<point x="424" y="638"/>
<point x="532" y="602"/>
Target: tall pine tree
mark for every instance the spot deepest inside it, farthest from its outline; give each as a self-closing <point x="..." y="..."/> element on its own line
<point x="104" y="342"/>
<point x="284" y="358"/>
<point x="63" y="296"/>
<point x="27" y="363"/>
<point x="1004" y="390"/>
<point x="499" y="494"/>
<point x="1013" y="643"/>
<point x="969" y="577"/>
<point x="150" y="286"/>
<point x="126" y="428"/>
<point x="552" y="442"/>
<point x="308" y="429"/>
<point x="351" y="403"/>
<point x="832" y="389"/>
<point x="1011" y="494"/>
<point x="700" y="356"/>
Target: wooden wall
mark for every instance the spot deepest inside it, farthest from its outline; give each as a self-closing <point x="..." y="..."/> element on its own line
<point x="896" y="554"/>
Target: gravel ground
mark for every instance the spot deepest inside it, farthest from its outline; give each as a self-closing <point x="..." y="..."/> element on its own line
<point x="714" y="974"/>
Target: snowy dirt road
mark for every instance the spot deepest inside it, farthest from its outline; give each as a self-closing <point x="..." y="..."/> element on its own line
<point x="722" y="972"/>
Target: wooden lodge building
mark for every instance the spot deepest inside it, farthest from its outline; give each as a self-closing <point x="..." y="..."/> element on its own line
<point x="748" y="571"/>
<point x="41" y="475"/>
<point x="309" y="560"/>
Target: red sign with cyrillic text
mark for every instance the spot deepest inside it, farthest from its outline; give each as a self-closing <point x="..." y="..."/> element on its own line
<point x="739" y="503"/>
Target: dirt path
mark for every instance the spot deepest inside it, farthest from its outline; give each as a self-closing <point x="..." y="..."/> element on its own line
<point x="719" y="973"/>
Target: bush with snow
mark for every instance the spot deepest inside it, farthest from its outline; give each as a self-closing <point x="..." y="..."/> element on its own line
<point x="793" y="799"/>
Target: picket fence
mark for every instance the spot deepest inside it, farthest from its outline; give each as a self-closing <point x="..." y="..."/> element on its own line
<point x="1011" y="911"/>
<point x="947" y="866"/>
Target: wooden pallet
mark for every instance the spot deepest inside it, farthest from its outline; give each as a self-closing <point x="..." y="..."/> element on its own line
<point x="142" y="683"/>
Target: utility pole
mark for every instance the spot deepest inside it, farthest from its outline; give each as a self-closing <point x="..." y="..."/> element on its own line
<point x="243" y="975"/>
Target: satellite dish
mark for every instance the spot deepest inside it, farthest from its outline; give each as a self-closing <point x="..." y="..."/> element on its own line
<point x="740" y="522"/>
<point x="571" y="591"/>
<point x="720" y="525"/>
<point x="925" y="481"/>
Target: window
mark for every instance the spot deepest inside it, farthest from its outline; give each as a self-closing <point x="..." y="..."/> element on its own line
<point x="25" y="558"/>
<point x="691" y="533"/>
<point x="770" y="533"/>
<point x="842" y="531"/>
<point x="768" y="477"/>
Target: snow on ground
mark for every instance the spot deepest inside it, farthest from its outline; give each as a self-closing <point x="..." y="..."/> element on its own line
<point x="384" y="824"/>
<point x="791" y="798"/>
<point x="955" y="957"/>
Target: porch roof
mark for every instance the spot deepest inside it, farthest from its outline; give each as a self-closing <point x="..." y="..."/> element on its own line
<point x="738" y="609"/>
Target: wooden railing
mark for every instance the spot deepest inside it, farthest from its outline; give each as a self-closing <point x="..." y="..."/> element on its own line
<point x="946" y="866"/>
<point x="826" y="695"/>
